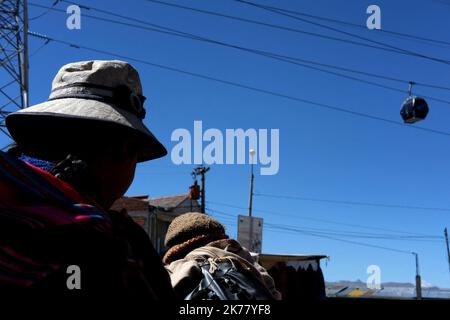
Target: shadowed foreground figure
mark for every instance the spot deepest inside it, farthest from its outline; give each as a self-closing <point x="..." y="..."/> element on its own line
<point x="195" y="239"/>
<point x="73" y="156"/>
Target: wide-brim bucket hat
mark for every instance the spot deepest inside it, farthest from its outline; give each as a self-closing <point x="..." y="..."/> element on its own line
<point x="88" y="98"/>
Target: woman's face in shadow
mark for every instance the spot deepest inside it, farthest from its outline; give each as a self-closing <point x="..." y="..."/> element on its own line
<point x="113" y="171"/>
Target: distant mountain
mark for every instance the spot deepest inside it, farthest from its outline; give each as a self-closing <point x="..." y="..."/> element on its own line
<point x="401" y="290"/>
<point x="361" y="284"/>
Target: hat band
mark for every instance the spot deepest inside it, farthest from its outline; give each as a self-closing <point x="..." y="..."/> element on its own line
<point x="122" y="96"/>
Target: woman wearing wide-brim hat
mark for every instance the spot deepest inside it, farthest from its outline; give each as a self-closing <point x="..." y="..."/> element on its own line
<point x="73" y="156"/>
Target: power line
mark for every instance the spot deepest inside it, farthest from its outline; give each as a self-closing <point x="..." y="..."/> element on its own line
<point x="240" y="85"/>
<point x="283" y="230"/>
<point x="325" y="232"/>
<point x="175" y="32"/>
<point x="335" y="239"/>
<point x="265" y="53"/>
<point x="270" y="55"/>
<point x="215" y="13"/>
<point x="364" y="235"/>
<point x="397" y="206"/>
<point x="364" y="244"/>
<point x="39" y="48"/>
<point x="228" y="219"/>
<point x="384" y="46"/>
<point x="398" y="234"/>
<point x="45" y="12"/>
<point x="281" y="214"/>
<point x="291" y="29"/>
<point x="399" y="50"/>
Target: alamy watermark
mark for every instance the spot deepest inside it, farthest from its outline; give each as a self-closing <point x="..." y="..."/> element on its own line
<point x="374" y="20"/>
<point x="73" y="21"/>
<point x="374" y="279"/>
<point x="74" y="279"/>
<point x="227" y="148"/>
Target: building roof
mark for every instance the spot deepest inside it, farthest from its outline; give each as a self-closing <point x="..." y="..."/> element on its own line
<point x="287" y="257"/>
<point x="168" y="202"/>
<point x="130" y="204"/>
<point x="142" y="197"/>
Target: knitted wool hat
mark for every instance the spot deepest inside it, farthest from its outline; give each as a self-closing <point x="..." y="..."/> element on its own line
<point x="190" y="231"/>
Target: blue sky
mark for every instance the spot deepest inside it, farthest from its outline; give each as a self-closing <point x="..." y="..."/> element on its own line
<point x="324" y="154"/>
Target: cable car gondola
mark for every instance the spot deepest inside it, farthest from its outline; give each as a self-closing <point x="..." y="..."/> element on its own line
<point x="414" y="108"/>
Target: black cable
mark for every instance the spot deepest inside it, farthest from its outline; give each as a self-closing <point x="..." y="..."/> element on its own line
<point x="386" y="45"/>
<point x="317" y="17"/>
<point x="397" y="206"/>
<point x="362" y="234"/>
<point x="343" y="240"/>
<point x="39" y="48"/>
<point x="45" y="12"/>
<point x="368" y="235"/>
<point x="296" y="231"/>
<point x="384" y="30"/>
<point x="174" y="32"/>
<point x="329" y="232"/>
<point x="279" y="214"/>
<point x="275" y="56"/>
<point x="286" y="28"/>
<point x="243" y="86"/>
<point x="364" y="244"/>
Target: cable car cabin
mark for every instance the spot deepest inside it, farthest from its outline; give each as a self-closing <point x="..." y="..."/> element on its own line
<point x="414" y="109"/>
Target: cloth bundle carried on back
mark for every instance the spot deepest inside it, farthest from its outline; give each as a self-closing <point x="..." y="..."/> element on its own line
<point x="226" y="278"/>
<point x="205" y="265"/>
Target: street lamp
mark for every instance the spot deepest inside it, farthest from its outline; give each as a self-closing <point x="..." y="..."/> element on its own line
<point x="252" y="154"/>
<point x="250" y="203"/>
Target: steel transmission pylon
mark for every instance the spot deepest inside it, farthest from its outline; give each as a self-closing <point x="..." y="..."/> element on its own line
<point x="13" y="58"/>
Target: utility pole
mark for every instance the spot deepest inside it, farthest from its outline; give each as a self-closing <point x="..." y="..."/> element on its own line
<point x="448" y="249"/>
<point x="250" y="202"/>
<point x="200" y="171"/>
<point x="13" y="58"/>
<point x="418" y="279"/>
<point x="252" y="177"/>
